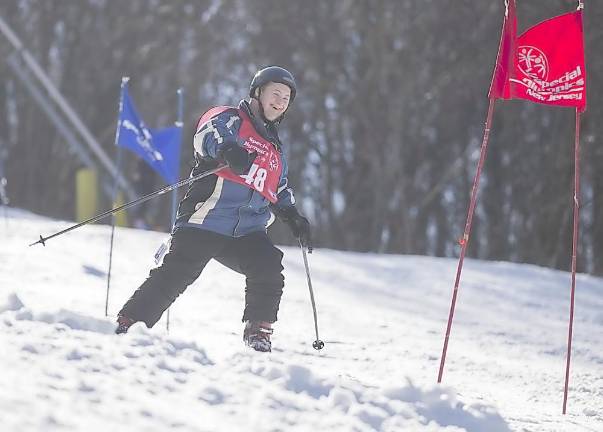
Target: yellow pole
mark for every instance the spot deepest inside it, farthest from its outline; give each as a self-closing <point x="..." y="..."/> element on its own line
<point x="121" y="217"/>
<point x="86" y="193"/>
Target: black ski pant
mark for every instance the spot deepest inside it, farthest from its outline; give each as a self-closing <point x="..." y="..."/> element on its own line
<point x="191" y="249"/>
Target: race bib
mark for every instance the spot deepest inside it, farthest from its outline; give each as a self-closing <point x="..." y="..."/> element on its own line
<point x="265" y="172"/>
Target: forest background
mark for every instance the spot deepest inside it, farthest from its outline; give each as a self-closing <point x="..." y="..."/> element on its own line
<point x="382" y="140"/>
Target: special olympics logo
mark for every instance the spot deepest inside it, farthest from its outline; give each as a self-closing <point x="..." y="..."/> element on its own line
<point x="273" y="163"/>
<point x="533" y="62"/>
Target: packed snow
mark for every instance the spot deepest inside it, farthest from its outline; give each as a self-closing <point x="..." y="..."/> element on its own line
<point x="382" y="318"/>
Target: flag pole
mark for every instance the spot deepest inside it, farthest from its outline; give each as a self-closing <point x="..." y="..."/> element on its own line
<point x="124" y="82"/>
<point x="179" y="123"/>
<point x="574" y="253"/>
<point x="465" y="240"/>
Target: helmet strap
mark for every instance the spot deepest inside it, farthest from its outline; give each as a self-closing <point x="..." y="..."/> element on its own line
<point x="261" y="107"/>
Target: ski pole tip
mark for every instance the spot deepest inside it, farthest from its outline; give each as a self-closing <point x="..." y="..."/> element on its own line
<point x="318" y="345"/>
<point x="42" y="241"/>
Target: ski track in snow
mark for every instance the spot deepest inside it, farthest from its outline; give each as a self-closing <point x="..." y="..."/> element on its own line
<point x="382" y="319"/>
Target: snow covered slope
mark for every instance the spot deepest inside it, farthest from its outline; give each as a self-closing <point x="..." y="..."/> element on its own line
<point x="382" y="319"/>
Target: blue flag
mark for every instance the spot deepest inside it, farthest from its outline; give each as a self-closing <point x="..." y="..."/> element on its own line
<point x="160" y="148"/>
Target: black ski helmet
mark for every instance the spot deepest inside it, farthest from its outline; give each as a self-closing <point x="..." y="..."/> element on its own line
<point x="273" y="74"/>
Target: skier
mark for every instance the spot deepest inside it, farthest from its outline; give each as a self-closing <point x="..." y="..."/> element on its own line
<point x="224" y="216"/>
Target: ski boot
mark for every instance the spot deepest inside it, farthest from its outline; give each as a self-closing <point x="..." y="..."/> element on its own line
<point x="123" y="324"/>
<point x="257" y="335"/>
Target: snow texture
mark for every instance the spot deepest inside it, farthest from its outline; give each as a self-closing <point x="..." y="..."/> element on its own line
<point x="382" y="318"/>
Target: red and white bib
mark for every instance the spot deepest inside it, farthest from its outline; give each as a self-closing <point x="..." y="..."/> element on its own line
<point x="265" y="173"/>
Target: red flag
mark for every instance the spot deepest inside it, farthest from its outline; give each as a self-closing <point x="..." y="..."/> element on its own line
<point x="549" y="66"/>
<point x="500" y="87"/>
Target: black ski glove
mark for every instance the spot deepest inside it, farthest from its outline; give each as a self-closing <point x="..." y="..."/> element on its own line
<point x="236" y="157"/>
<point x="300" y="226"/>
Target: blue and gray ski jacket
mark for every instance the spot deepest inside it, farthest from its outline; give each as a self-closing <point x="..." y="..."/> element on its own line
<point x="222" y="206"/>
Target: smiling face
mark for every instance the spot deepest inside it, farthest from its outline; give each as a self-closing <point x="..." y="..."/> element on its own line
<point x="274" y="99"/>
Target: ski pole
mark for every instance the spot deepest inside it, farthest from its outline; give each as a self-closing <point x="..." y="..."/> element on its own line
<point x="132" y="203"/>
<point x="317" y="344"/>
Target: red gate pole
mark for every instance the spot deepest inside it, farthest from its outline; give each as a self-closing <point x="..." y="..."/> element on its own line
<point x="465" y="240"/>
<point x="574" y="252"/>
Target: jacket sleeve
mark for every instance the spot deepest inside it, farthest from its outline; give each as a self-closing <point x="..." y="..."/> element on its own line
<point x="285" y="195"/>
<point x="213" y="134"/>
